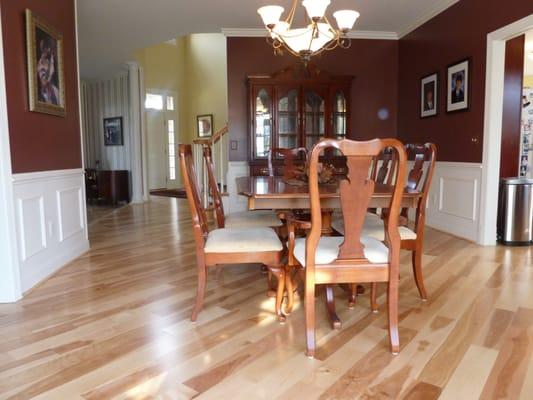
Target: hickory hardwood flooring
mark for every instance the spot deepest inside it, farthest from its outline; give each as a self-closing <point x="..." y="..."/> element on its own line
<point x="114" y="325"/>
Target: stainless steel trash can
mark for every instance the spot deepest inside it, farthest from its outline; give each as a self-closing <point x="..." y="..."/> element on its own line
<point x="515" y="211"/>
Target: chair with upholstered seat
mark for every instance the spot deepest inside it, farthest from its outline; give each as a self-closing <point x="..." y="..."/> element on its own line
<point x="354" y="258"/>
<point x="257" y="245"/>
<point x="242" y="219"/>
<point x="423" y="159"/>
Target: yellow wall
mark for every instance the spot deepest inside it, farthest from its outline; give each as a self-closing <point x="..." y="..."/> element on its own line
<point x="206" y="75"/>
<point x="195" y="68"/>
<point x="528" y="81"/>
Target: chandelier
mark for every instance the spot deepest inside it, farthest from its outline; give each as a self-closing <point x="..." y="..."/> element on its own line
<point x="318" y="36"/>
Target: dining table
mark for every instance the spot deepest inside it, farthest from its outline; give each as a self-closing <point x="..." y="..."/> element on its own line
<point x="279" y="193"/>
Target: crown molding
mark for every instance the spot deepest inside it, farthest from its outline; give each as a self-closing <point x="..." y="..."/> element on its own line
<point x="434" y="11"/>
<point x="261" y="32"/>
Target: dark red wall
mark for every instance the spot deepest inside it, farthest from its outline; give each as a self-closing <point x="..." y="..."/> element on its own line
<point x="373" y="63"/>
<point x="40" y="142"/>
<point x="457" y="33"/>
<point x="512" y="106"/>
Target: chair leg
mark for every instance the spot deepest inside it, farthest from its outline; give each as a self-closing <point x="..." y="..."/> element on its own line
<point x="330" y="305"/>
<point x="353" y="295"/>
<point x="289" y="284"/>
<point x="373" y="294"/>
<point x="417" y="271"/>
<point x="394" y="336"/>
<point x="310" y="317"/>
<point x="200" y="291"/>
<point x="279" y="272"/>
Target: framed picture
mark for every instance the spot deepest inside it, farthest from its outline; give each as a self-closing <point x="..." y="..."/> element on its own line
<point x="46" y="80"/>
<point x="429" y="95"/>
<point x="113" y="135"/>
<point x="457" y="86"/>
<point x="205" y="125"/>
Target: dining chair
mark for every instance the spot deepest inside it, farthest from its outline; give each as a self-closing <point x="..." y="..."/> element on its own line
<point x="352" y="258"/>
<point x="290" y="169"/>
<point x="222" y="246"/>
<point x="243" y="219"/>
<point x="423" y="158"/>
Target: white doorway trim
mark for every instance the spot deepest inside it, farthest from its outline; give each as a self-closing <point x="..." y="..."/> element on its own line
<point x="492" y="128"/>
<point x="10" y="289"/>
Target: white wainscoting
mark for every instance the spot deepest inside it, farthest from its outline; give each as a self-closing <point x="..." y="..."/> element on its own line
<point x="454" y="198"/>
<point x="235" y="203"/>
<point x="51" y="222"/>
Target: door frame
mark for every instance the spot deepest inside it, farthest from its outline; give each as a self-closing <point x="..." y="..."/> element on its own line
<point x="492" y="128"/>
<point x="166" y="114"/>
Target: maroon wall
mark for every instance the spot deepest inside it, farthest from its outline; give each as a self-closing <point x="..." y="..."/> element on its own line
<point x="457" y="33"/>
<point x="373" y="63"/>
<point x="40" y="142"/>
<point x="512" y="106"/>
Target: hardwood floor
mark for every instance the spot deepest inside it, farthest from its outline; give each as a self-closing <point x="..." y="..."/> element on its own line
<point x="115" y="324"/>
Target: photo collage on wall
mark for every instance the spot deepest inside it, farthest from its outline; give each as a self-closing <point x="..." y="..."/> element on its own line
<point x="526" y="152"/>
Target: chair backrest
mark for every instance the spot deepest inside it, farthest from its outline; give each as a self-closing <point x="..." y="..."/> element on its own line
<point x="385" y="172"/>
<point x="356" y="191"/>
<point x="424" y="157"/>
<point x="213" y="186"/>
<point x="199" y="220"/>
<point x="289" y="158"/>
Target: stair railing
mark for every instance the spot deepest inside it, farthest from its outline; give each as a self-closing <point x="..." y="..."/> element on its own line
<point x="219" y="149"/>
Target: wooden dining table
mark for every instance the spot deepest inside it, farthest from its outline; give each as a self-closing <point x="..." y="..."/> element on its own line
<point x="277" y="193"/>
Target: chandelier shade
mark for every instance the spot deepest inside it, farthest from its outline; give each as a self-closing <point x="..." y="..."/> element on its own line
<point x="270" y="14"/>
<point x="315" y="37"/>
<point x="346" y="19"/>
<point x="316" y="8"/>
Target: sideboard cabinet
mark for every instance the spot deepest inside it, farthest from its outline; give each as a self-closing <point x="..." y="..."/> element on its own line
<point x="295" y="107"/>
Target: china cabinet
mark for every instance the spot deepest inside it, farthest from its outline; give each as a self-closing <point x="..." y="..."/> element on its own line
<point x="295" y="107"/>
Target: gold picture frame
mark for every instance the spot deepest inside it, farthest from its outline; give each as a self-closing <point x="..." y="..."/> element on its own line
<point x="46" y="78"/>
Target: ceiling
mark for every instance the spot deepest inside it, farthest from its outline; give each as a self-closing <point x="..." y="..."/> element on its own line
<point x="110" y="30"/>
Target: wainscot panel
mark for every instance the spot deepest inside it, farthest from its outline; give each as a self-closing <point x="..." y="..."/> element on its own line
<point x="51" y="222"/>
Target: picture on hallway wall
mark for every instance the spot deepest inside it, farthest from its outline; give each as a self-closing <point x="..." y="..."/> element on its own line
<point x="205" y="125"/>
<point x="428" y="95"/>
<point x="457" y="86"/>
<point x="113" y="135"/>
<point x="46" y="80"/>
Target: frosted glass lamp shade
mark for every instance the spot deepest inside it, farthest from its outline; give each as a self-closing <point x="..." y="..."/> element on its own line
<point x="316" y="8"/>
<point x="346" y="19"/>
<point x="270" y="15"/>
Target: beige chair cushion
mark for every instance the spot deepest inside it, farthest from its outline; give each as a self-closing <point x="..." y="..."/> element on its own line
<point x="373" y="227"/>
<point x="242" y="240"/>
<point x="252" y="219"/>
<point x="328" y="250"/>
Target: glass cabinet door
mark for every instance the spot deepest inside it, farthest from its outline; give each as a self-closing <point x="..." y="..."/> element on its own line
<point x="262" y="122"/>
<point x="288" y="118"/>
<point x="314" y="116"/>
<point x="339" y="115"/>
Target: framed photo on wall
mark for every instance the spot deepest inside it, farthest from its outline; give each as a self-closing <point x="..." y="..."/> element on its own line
<point x="429" y="95"/>
<point x="205" y="125"/>
<point x="113" y="135"/>
<point x="458" y="86"/>
<point x="46" y="79"/>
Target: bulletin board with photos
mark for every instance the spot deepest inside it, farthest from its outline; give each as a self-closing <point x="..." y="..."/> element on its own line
<point x="526" y="148"/>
